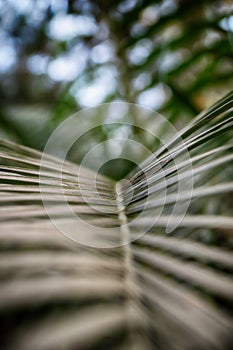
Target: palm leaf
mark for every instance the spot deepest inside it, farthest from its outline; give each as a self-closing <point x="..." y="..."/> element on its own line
<point x="154" y="291"/>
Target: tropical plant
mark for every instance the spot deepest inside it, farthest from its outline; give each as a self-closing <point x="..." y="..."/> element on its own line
<point x="171" y="288"/>
<point x="173" y="55"/>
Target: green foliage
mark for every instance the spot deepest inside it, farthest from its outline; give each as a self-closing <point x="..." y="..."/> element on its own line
<point x="175" y="56"/>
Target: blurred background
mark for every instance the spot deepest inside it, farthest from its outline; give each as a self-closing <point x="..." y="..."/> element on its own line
<point x="60" y="56"/>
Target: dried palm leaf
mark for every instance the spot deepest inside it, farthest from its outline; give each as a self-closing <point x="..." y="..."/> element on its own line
<point x="159" y="288"/>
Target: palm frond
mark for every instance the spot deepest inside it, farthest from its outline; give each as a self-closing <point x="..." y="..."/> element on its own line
<point x="153" y="290"/>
